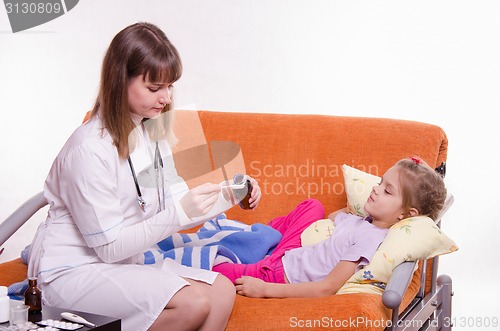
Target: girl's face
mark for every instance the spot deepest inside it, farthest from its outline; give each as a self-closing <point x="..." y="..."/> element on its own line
<point x="147" y="99"/>
<point x="385" y="203"/>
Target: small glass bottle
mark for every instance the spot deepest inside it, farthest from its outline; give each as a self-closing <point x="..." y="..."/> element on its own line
<point x="33" y="296"/>
<point x="243" y="194"/>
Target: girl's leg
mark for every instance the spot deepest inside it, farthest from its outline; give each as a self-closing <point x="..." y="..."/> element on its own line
<point x="292" y="225"/>
<point x="232" y="271"/>
<point x="199" y="306"/>
<point x="269" y="270"/>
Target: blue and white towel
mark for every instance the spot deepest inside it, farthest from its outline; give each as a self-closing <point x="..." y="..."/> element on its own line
<point x="219" y="240"/>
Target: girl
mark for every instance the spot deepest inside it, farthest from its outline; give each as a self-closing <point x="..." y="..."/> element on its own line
<point x="100" y="217"/>
<point x="409" y="188"/>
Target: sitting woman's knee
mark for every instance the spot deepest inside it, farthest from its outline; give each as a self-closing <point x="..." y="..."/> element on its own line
<point x="226" y="288"/>
<point x="198" y="308"/>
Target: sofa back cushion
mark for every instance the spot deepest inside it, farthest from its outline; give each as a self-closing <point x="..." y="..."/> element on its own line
<point x="295" y="157"/>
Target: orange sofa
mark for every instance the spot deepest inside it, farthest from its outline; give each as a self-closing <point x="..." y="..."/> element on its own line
<point x="295" y="157"/>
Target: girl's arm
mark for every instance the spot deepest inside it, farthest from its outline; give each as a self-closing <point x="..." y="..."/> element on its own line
<point x="257" y="288"/>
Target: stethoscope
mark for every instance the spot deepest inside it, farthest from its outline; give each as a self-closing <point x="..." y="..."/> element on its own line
<point x="160" y="184"/>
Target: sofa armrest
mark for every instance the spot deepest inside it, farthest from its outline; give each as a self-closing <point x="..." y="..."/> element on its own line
<point x="398" y="283"/>
<point x="20" y="216"/>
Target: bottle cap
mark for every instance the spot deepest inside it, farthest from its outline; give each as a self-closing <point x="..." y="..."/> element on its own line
<point x="238" y="179"/>
<point x="3" y="291"/>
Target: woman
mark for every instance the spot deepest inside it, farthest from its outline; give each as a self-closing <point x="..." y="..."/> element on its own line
<point x="101" y="216"/>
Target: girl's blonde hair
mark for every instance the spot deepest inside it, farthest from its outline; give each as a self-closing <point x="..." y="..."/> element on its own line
<point x="139" y="49"/>
<point x="422" y="187"/>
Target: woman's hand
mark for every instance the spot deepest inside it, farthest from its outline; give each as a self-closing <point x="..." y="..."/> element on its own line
<point x="199" y="200"/>
<point x="250" y="287"/>
<point x="256" y="193"/>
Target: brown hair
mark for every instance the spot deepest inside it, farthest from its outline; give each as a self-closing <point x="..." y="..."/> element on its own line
<point x="139" y="49"/>
<point x="422" y="187"/>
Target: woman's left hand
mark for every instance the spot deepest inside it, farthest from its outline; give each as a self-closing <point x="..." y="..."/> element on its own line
<point x="250" y="287"/>
<point x="256" y="193"/>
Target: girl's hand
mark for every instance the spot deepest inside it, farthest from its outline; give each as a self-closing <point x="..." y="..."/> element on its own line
<point x="199" y="200"/>
<point x="256" y="193"/>
<point x="250" y="287"/>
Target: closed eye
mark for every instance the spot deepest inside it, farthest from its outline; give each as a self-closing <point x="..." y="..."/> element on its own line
<point x="156" y="88"/>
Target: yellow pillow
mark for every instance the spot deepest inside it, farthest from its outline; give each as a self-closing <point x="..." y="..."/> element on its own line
<point x="317" y="231"/>
<point x="358" y="185"/>
<point x="414" y="238"/>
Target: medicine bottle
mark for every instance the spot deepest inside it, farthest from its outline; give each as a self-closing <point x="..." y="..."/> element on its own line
<point x="33" y="296"/>
<point x="4" y="305"/>
<point x="243" y="194"/>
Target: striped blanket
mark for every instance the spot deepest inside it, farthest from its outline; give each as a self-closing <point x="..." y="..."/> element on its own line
<point x="218" y="240"/>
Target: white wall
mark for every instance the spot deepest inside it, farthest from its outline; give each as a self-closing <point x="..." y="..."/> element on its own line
<point x="431" y="61"/>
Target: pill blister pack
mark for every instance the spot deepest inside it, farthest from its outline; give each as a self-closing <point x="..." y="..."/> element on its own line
<point x="26" y="326"/>
<point x="45" y="325"/>
<point x="58" y="324"/>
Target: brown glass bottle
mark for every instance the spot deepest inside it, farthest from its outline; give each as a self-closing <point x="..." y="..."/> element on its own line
<point x="243" y="195"/>
<point x="33" y="296"/>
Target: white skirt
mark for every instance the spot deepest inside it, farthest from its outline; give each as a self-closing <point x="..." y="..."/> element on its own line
<point x="136" y="294"/>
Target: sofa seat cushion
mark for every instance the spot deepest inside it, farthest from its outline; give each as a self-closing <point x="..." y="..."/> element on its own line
<point x="332" y="313"/>
<point x="356" y="311"/>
